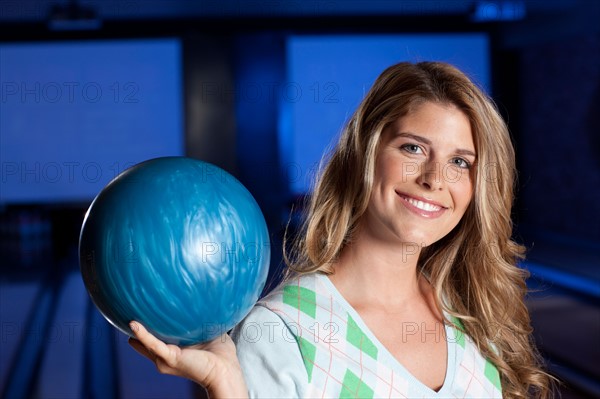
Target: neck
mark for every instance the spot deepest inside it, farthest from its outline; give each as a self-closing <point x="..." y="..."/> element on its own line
<point x="374" y="272"/>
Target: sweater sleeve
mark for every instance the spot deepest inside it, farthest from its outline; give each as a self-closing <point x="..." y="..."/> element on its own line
<point x="269" y="356"/>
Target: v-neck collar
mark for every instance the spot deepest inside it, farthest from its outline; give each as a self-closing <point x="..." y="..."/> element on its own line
<point x="444" y="391"/>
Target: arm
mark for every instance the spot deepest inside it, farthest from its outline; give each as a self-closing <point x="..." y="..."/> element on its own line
<point x="269" y="355"/>
<point x="213" y="365"/>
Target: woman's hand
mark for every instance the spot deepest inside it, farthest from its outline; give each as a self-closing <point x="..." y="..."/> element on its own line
<point x="214" y="365"/>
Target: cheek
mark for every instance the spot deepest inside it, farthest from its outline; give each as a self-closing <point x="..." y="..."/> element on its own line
<point x="386" y="170"/>
<point x="410" y="170"/>
<point x="462" y="192"/>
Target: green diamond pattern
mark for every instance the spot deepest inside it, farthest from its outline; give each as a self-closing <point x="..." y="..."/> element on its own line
<point x="301" y="298"/>
<point x="308" y="351"/>
<point x="358" y="338"/>
<point x="353" y="387"/>
<point x="492" y="374"/>
<point x="458" y="322"/>
<point x="460" y="337"/>
<point x="459" y="332"/>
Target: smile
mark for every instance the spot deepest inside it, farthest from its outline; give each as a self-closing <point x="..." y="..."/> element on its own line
<point x="423" y="208"/>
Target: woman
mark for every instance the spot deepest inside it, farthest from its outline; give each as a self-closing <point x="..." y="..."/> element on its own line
<point x="404" y="282"/>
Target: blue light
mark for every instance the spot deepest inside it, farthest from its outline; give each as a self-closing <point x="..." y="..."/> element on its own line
<point x="563" y="279"/>
<point x="489" y="11"/>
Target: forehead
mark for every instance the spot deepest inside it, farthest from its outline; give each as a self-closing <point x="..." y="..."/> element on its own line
<point x="437" y="122"/>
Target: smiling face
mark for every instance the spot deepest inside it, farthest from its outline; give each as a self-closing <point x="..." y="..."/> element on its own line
<point x="423" y="178"/>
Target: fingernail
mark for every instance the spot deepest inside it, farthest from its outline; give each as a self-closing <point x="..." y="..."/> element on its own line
<point x="133" y="326"/>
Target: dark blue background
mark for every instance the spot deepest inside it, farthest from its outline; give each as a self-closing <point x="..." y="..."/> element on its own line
<point x="261" y="89"/>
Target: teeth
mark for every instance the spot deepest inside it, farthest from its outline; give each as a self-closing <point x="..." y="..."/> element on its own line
<point x="423" y="205"/>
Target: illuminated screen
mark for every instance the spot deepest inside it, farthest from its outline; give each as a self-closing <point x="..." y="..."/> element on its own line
<point x="327" y="77"/>
<point x="75" y="114"/>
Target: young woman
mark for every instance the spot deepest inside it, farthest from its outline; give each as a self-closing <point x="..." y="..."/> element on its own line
<point x="404" y="282"/>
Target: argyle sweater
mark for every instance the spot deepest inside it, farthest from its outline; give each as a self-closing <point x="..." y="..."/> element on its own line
<point x="305" y="340"/>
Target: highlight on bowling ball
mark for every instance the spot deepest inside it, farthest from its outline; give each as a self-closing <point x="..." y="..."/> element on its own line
<point x="177" y="244"/>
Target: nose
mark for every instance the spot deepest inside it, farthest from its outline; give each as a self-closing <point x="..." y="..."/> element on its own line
<point x="431" y="176"/>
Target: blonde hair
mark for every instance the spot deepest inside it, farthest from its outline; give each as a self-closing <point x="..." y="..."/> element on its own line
<point x="473" y="269"/>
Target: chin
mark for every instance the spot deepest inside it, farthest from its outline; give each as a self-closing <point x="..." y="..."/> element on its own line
<point x="418" y="241"/>
<point x="423" y="240"/>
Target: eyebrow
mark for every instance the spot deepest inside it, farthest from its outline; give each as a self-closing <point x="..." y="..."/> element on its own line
<point x="421" y="139"/>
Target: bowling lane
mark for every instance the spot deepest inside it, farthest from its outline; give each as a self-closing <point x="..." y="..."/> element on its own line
<point x="17" y="300"/>
<point x="566" y="329"/>
<point x="60" y="373"/>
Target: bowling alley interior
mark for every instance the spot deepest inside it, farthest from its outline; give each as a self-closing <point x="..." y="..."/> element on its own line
<point x="261" y="89"/>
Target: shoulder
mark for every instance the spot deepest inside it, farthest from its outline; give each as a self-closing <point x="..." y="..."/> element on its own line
<point x="259" y="326"/>
<point x="277" y="312"/>
<point x="269" y="354"/>
<point x="300" y="302"/>
<point x="293" y="284"/>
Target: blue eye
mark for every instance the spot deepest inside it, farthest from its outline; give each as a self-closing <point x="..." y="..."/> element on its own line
<point x="412" y="148"/>
<point x="461" y="163"/>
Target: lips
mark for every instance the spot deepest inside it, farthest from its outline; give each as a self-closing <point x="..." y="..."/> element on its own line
<point x="422" y="207"/>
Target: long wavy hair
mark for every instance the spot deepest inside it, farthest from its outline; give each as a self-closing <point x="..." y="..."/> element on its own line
<point x="473" y="269"/>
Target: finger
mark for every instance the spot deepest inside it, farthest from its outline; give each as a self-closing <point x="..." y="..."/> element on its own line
<point x="154" y="346"/>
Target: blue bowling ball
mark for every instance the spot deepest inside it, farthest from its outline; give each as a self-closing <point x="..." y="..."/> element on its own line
<point x="177" y="244"/>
